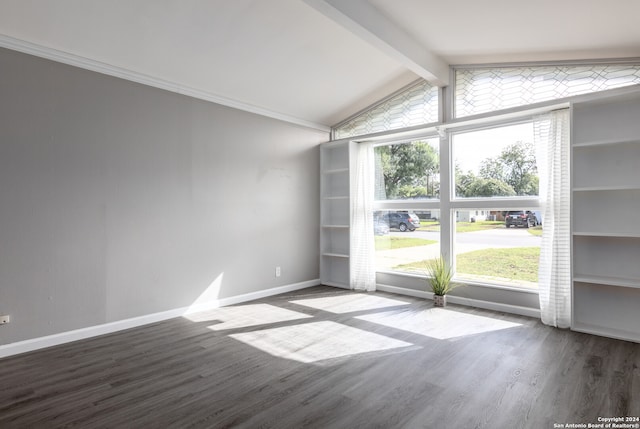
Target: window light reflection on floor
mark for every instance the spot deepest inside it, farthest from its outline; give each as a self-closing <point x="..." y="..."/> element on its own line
<point x="349" y="303"/>
<point x="246" y="315"/>
<point x="438" y="323"/>
<point x="317" y="341"/>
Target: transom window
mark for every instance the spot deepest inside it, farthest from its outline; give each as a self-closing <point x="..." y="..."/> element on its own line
<point x="418" y="104"/>
<point x="482" y="90"/>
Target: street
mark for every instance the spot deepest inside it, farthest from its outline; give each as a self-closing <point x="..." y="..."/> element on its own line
<point x="498" y="237"/>
<point x="464" y="242"/>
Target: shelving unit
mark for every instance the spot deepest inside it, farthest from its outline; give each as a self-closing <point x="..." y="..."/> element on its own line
<point x="605" y="226"/>
<point x="336" y="161"/>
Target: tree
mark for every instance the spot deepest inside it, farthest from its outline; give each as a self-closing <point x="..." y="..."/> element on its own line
<point x="469" y="185"/>
<point x="408" y="166"/>
<point x="464" y="181"/>
<point x="515" y="166"/>
<point x="489" y="188"/>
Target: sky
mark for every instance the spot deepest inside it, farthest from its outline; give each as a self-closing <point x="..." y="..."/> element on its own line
<point x="471" y="148"/>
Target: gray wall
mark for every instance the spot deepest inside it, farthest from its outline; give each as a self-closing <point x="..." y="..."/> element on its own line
<point x="119" y="200"/>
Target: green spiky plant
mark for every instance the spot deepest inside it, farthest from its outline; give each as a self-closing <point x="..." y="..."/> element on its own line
<point x="440" y="274"/>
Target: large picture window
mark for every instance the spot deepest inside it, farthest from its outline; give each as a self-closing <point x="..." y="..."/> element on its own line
<point x="488" y="200"/>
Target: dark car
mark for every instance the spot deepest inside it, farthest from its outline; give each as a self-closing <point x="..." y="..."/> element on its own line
<point x="524" y="218"/>
<point x="403" y="221"/>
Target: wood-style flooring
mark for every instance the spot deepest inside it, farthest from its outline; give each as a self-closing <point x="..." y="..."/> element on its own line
<point x="326" y="358"/>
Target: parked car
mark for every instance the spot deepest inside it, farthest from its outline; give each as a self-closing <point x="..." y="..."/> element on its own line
<point x="403" y="221"/>
<point x="525" y="218"/>
<point x="380" y="227"/>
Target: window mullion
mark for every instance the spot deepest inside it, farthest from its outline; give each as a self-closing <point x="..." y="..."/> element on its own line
<point x="446" y="193"/>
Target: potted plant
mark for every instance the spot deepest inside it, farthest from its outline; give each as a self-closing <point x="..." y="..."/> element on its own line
<point x="440" y="274"/>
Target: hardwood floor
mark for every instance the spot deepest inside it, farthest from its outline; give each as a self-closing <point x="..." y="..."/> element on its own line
<point x="326" y="358"/>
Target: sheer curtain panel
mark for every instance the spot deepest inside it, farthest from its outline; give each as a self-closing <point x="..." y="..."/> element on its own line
<point x="363" y="271"/>
<point x="551" y="135"/>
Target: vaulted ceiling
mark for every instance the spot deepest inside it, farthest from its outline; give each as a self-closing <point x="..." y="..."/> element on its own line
<point x="312" y="62"/>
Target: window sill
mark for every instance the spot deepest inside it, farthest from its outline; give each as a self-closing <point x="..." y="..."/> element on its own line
<point x="466" y="282"/>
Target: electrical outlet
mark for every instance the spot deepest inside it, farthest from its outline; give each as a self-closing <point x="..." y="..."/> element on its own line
<point x="5" y="319"/>
<point x="278" y="272"/>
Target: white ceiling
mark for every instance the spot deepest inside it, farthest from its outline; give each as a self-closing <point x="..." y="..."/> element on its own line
<point x="313" y="62"/>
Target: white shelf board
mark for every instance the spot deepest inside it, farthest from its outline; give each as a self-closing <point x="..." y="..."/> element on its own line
<point x="339" y="197"/>
<point x="336" y="171"/>
<point x="335" y="255"/>
<point x="607" y="188"/>
<point x="335" y="226"/>
<point x="607" y="234"/>
<point x="606" y="142"/>
<point x="336" y="284"/>
<point x="607" y="280"/>
<point x="606" y="332"/>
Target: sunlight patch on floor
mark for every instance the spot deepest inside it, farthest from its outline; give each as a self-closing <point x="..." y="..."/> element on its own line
<point x="349" y="303"/>
<point x="317" y="341"/>
<point x="438" y="323"/>
<point x="242" y="316"/>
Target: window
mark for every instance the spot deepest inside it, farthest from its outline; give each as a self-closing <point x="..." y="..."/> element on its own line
<point x="491" y="205"/>
<point x="408" y="170"/>
<point x="417" y="104"/>
<point x="497" y="162"/>
<point x="482" y="90"/>
<point x="473" y="193"/>
<point x="499" y="247"/>
<point x="493" y="243"/>
<point x="405" y="239"/>
<point x="408" y="174"/>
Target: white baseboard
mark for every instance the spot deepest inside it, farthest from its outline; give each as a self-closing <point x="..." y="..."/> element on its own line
<point x="488" y="305"/>
<point x="223" y="302"/>
<point x="107" y="328"/>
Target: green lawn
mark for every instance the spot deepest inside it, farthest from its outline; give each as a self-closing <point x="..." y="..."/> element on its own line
<point x="387" y="242"/>
<point x="463" y="226"/>
<point x="478" y="226"/>
<point x="520" y="263"/>
<point x="536" y="230"/>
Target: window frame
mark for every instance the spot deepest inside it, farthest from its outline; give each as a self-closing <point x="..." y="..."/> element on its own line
<point x="448" y="124"/>
<point x="448" y="204"/>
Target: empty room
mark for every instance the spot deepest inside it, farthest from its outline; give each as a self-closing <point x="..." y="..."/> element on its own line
<point x="319" y="214"/>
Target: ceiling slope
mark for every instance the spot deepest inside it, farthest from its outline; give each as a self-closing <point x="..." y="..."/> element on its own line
<point x="311" y="62"/>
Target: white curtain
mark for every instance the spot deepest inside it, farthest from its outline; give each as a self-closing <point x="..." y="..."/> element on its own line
<point x="551" y="135"/>
<point x="363" y="270"/>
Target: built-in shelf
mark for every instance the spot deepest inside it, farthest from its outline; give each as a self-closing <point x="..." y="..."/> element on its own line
<point x="336" y="171"/>
<point x="336" y="165"/>
<point x="605" y="142"/>
<point x="605" y="201"/>
<point x="607" y="188"/>
<point x="605" y="280"/>
<point x="335" y="255"/>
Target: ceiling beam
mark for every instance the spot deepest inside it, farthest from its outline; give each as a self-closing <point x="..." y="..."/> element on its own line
<point x="365" y="21"/>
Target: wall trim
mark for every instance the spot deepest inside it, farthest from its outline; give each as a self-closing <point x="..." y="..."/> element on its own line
<point x="488" y="305"/>
<point x="107" y="328"/>
<point x="133" y="76"/>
